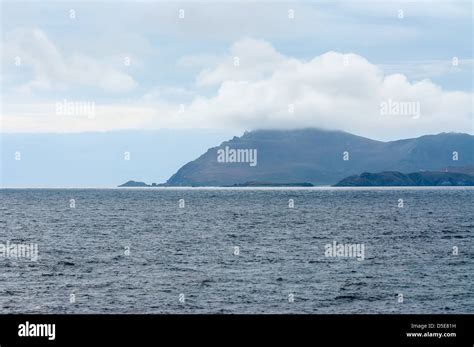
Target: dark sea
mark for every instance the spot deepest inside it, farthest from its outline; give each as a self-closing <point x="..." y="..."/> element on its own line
<point x="238" y="250"/>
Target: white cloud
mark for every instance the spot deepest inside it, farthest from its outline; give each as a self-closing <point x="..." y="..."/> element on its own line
<point x="43" y="118"/>
<point x="257" y="58"/>
<point x="53" y="71"/>
<point x="325" y="93"/>
<point x="332" y="90"/>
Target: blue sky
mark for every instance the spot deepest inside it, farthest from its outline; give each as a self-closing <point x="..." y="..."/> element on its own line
<point x="333" y="62"/>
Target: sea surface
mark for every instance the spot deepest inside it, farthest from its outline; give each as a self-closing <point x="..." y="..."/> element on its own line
<point x="238" y="250"/>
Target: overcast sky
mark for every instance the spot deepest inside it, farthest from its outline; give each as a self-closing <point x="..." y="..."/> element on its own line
<point x="238" y="66"/>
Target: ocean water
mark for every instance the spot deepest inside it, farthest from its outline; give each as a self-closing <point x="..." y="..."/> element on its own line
<point x="137" y="251"/>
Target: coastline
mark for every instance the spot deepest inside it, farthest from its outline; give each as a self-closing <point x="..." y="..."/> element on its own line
<point x="315" y="188"/>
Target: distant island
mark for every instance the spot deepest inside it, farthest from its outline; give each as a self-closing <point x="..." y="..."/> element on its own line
<point x="366" y="179"/>
<point x="247" y="184"/>
<point x="138" y="184"/>
<point x="315" y="157"/>
<point x="394" y="178"/>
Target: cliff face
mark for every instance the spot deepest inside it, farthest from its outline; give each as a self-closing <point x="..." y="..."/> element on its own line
<point x="319" y="157"/>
